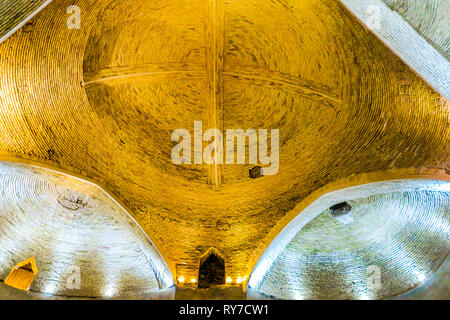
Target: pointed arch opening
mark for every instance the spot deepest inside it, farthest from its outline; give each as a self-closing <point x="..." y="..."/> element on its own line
<point x="211" y="270"/>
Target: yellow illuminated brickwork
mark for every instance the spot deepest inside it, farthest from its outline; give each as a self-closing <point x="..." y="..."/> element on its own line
<point x="22" y="275"/>
<point x="101" y="103"/>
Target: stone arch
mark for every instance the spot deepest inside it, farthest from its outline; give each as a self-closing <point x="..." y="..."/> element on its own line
<point x="326" y="197"/>
<point x="211" y="270"/>
<point x="70" y="203"/>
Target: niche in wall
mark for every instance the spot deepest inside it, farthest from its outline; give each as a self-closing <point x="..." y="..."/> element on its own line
<point x="212" y="269"/>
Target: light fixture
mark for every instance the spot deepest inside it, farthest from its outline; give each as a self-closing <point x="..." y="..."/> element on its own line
<point x="181" y="279"/>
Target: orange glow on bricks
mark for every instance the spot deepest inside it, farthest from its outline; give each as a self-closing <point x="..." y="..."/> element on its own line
<point x="22" y="275"/>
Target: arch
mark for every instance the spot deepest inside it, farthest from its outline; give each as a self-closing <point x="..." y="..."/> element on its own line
<point x="211" y="270"/>
<point x="68" y="202"/>
<point x="332" y="194"/>
<point x="11" y="157"/>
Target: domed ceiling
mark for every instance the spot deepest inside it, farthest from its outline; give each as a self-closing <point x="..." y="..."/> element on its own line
<point x="101" y="102"/>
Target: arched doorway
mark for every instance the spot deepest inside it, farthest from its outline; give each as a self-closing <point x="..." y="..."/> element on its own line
<point x="212" y="269"/>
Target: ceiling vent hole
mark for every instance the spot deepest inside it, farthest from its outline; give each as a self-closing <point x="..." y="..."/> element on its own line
<point x="340" y="209"/>
<point x="256" y="172"/>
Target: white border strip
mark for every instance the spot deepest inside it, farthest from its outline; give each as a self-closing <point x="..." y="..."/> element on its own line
<point x="21" y="24"/>
<point x="407" y="43"/>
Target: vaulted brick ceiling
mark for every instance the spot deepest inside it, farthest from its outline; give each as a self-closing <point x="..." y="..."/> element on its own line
<point x="101" y="103"/>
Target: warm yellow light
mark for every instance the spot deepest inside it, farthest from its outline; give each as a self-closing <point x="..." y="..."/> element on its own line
<point x="193" y="280"/>
<point x="239" y="280"/>
<point x="181" y="279"/>
<point x="229" y="280"/>
<point x="22" y="275"/>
